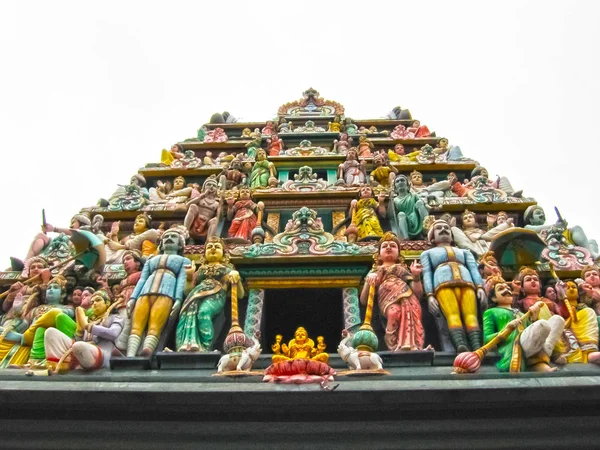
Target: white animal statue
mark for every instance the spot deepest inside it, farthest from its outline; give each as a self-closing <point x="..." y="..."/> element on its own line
<point x="358" y="359"/>
<point x="240" y="361"/>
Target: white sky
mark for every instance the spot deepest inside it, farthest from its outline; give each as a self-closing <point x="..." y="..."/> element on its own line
<point x="90" y="92"/>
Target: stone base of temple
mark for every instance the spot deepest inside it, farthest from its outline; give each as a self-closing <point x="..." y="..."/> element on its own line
<point x="136" y="363"/>
<point x="184" y="360"/>
<point x="407" y="359"/>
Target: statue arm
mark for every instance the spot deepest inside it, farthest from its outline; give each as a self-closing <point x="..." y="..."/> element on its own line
<point x="491" y="234"/>
<point x="181" y="280"/>
<point x="140" y="284"/>
<point x="110" y="333"/>
<point x="136" y="241"/>
<point x="489" y="326"/>
<point x="427" y="273"/>
<point x="473" y="268"/>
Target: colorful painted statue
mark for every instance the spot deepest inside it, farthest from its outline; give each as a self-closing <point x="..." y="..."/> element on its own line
<point x="364" y="213"/>
<point x="243" y="214"/>
<point x="275" y="145"/>
<point x="400" y="132"/>
<point x="358" y="359"/>
<point x="336" y="125"/>
<point x="176" y="152"/>
<point x="232" y="176"/>
<point x="246" y="133"/>
<point x="95" y="337"/>
<point x="527" y="290"/>
<point x="350" y="127"/>
<point x="590" y="285"/>
<point x="408" y="209"/>
<point x="473" y="238"/>
<point x="341" y="147"/>
<point x="445" y="152"/>
<point x="203" y="212"/>
<point x="174" y="196"/>
<point x="352" y="171"/>
<point x="301" y="347"/>
<point x="216" y="135"/>
<point x="535" y="219"/>
<point x="453" y="285"/>
<point x="398" y="292"/>
<point x="143" y="239"/>
<point x="128" y="197"/>
<point x="418" y="130"/>
<point x="580" y="340"/>
<point x="309" y="127"/>
<point x="532" y="341"/>
<point x="383" y="174"/>
<point x="365" y="146"/>
<point x="158" y="293"/>
<point x="195" y="332"/>
<point x="480" y="177"/>
<point x="263" y="172"/>
<point x="269" y="129"/>
<point x="397" y="154"/>
<point x="133" y="263"/>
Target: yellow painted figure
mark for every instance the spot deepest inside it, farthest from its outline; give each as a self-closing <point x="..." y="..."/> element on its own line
<point x="364" y="213"/>
<point x="301" y="347"/>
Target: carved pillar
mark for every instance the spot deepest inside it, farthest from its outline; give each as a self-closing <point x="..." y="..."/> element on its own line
<point x="253" y="321"/>
<point x="338" y="217"/>
<point x="273" y="221"/>
<point x="351" y="309"/>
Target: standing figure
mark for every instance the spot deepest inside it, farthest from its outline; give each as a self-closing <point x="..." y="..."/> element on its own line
<point x="158" y="294"/>
<point x="269" y="129"/>
<point x="232" y="176"/>
<point x="275" y="145"/>
<point x="408" y="209"/>
<point x="263" y="172"/>
<point x="398" y="294"/>
<point x="195" y="332"/>
<point x="243" y="214"/>
<point x="341" y="147"/>
<point x="352" y="171"/>
<point x="349" y="127"/>
<point x="453" y="285"/>
<point x="133" y="263"/>
<point x="336" y="125"/>
<point x="364" y="146"/>
<point x="365" y="224"/>
<point x="202" y="216"/>
<point x="532" y="341"/>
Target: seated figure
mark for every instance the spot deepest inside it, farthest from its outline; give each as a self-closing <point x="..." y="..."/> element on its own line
<point x="473" y="238"/>
<point x="352" y="171"/>
<point x="418" y="130"/>
<point x="335" y="126"/>
<point x="301" y="347"/>
<point x="216" y="135"/>
<point x="383" y="174"/>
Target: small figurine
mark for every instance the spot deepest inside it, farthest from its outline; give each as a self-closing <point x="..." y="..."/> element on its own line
<point x="208" y="160"/>
<point x="527" y="289"/>
<point x="176" y="196"/>
<point x="128" y="197"/>
<point x="341" y="147"/>
<point x="400" y="132"/>
<point x="352" y="171"/>
<point x="143" y="239"/>
<point x="383" y="174"/>
<point x="349" y="127"/>
<point x="195" y="332"/>
<point x="364" y="147"/>
<point x="397" y="155"/>
<point x="336" y="125"/>
<point x="232" y="176"/>
<point x="398" y="292"/>
<point x="284" y="126"/>
<point x="480" y="176"/>
<point x="203" y="211"/>
<point x="133" y="263"/>
<point x="309" y="127"/>
<point x="358" y="360"/>
<point x="590" y="285"/>
<point x="216" y="135"/>
<point x="168" y="156"/>
<point x="364" y="211"/>
<point x="243" y="215"/>
<point x="246" y="133"/>
<point x="275" y="145"/>
<point x="158" y="294"/>
<point x="473" y="238"/>
<point x="408" y="209"/>
<point x="453" y="285"/>
<point x="269" y="129"/>
<point x="263" y="172"/>
<point x="418" y="130"/>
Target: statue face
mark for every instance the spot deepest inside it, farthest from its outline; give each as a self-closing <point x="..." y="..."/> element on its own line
<point x="300" y="336"/>
<point x="538" y="217"/>
<point x="388" y="252"/>
<point x="35" y="269"/>
<point x="174" y="148"/>
<point x="551" y="293"/>
<point x="86" y="299"/>
<point x="178" y="183"/>
<point x="130" y="264"/>
<point x="210" y="188"/>
<point x="416" y="124"/>
<point x="502" y="218"/>
<point x="452" y="177"/>
<point x="484" y="172"/>
<point x="170" y="241"/>
<point x="531" y="284"/>
<point x="572" y="291"/>
<point x="592" y="277"/>
<point x="503" y="294"/>
<point x="351" y="155"/>
<point x="469" y="220"/>
<point x="76" y="297"/>
<point x="442" y="233"/>
<point x="139" y="226"/>
<point x="366" y="192"/>
<point x="401" y="184"/>
<point x="244" y="194"/>
<point x="213" y="251"/>
<point x="416" y="179"/>
<point x="53" y="293"/>
<point x="443" y="143"/>
<point x="399" y="149"/>
<point x="98" y="305"/>
<point x="261" y="155"/>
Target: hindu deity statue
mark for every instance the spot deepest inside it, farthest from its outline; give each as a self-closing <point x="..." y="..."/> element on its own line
<point x="195" y="332"/>
<point x="189" y="161"/>
<point x="253" y="146"/>
<point x="527" y="291"/>
<point x="216" y="135"/>
<point x="535" y="219"/>
<point x="269" y="129"/>
<point x="453" y="286"/>
<point x="275" y="145"/>
<point x="301" y="347"/>
<point x="350" y="127"/>
<point x="202" y="216"/>
<point x="364" y="211"/>
<point x="473" y="238"/>
<point x="207" y="160"/>
<point x="143" y="239"/>
<point x="336" y="125"/>
<point x="133" y="263"/>
<point x="400" y="132"/>
<point x="383" y="174"/>
<point x="580" y="339"/>
<point x="263" y="172"/>
<point x="590" y="285"/>
<point x="342" y="145"/>
<point x="352" y="171"/>
<point x="89" y="341"/>
<point x="176" y="195"/>
<point x="408" y="209"/>
<point x="445" y="152"/>
<point x="243" y="214"/>
<point x="128" y="197"/>
<point x="232" y="176"/>
<point x="176" y="152"/>
<point x="533" y="338"/>
<point x="158" y="293"/>
<point x="397" y="154"/>
<point x="284" y="126"/>
<point x="246" y="133"/>
<point x="364" y="146"/>
<point x="418" y="130"/>
<point x="398" y="292"/>
<point x="480" y="178"/>
<point x="309" y="127"/>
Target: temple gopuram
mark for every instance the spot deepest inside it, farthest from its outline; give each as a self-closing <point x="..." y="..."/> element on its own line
<point x="312" y="280"/>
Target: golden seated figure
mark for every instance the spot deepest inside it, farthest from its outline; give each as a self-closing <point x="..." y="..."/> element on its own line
<point x="301" y="347"/>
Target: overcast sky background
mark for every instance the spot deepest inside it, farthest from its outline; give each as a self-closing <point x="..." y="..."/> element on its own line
<point x="90" y="92"/>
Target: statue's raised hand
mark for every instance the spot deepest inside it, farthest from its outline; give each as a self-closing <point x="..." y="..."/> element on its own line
<point x="416" y="269"/>
<point x="234" y="276"/>
<point x="371" y="279"/>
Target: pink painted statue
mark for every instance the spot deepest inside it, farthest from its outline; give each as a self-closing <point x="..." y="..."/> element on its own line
<point x="275" y="145"/>
<point x="216" y="135"/>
